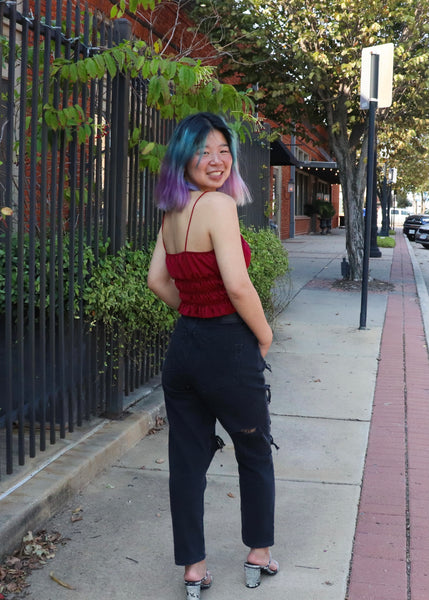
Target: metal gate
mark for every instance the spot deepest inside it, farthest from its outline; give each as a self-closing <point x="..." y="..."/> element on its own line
<point x="62" y="196"/>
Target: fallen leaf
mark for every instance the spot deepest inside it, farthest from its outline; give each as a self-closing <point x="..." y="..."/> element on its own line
<point x="32" y="554"/>
<point x="77" y="514"/>
<point x="75" y="518"/>
<point x="230" y="495"/>
<point x="62" y="583"/>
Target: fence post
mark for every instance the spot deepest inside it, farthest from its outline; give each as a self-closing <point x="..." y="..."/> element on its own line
<point x="119" y="146"/>
<point x="118" y="202"/>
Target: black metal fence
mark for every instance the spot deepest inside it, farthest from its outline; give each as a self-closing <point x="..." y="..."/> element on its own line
<point x="61" y="196"/>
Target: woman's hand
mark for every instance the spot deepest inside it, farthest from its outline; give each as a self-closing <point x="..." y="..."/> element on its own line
<point x="266" y="344"/>
<point x="263" y="348"/>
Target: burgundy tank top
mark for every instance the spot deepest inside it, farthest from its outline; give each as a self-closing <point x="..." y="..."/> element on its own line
<point x="198" y="279"/>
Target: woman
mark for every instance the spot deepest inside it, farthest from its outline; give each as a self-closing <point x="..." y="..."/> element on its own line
<point x="215" y="360"/>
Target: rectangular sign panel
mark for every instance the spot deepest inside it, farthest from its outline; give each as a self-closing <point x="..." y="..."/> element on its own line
<point x="385" y="76"/>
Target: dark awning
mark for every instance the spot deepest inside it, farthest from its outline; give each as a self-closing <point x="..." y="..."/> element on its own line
<point x="327" y="171"/>
<point x="280" y="155"/>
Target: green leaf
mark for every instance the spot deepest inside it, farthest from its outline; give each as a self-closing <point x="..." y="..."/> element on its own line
<point x="81" y="69"/>
<point x="135" y="136"/>
<point x="154" y="91"/>
<point x="186" y="77"/>
<point x="51" y="119"/>
<point x="148" y="148"/>
<point x="154" y="66"/>
<point x="81" y="135"/>
<point x="73" y="74"/>
<point x="101" y="65"/>
<point x="92" y="67"/>
<point x="110" y="64"/>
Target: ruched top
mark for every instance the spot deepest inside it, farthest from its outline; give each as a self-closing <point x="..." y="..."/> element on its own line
<point x="198" y="279"/>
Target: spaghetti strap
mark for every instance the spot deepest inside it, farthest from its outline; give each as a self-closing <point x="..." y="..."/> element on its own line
<point x="190" y="219"/>
<point x="162" y="231"/>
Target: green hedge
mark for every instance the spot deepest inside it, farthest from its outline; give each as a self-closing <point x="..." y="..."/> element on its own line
<point x="115" y="291"/>
<point x="269" y="263"/>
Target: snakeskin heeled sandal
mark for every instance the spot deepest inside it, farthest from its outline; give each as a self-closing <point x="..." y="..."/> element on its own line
<point x="252" y="573"/>
<point x="193" y="588"/>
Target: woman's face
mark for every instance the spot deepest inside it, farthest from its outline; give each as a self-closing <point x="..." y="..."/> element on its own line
<point x="210" y="169"/>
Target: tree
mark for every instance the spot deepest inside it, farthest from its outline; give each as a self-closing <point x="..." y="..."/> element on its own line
<point x="178" y="85"/>
<point x="303" y="59"/>
<point x="410" y="156"/>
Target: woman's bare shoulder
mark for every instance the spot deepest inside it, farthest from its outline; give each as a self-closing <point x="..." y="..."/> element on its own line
<point x="215" y="201"/>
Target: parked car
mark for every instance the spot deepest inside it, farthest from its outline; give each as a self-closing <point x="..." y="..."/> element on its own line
<point x="412" y="223"/>
<point x="422" y="236"/>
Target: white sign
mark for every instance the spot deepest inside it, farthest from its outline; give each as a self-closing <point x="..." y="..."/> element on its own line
<point x="385" y="76"/>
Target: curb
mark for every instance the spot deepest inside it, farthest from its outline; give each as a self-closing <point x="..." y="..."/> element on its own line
<point x="31" y="502"/>
<point x="422" y="292"/>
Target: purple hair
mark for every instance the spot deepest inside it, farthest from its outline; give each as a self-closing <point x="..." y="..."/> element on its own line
<point x="172" y="190"/>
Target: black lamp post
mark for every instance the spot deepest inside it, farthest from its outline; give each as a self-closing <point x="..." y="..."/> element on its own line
<point x="291" y="190"/>
<point x="374" y="251"/>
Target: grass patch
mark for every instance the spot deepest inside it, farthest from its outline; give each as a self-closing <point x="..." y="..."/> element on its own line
<point x="385" y="242"/>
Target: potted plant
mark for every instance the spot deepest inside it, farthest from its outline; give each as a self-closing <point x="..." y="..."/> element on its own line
<point x="326" y="211"/>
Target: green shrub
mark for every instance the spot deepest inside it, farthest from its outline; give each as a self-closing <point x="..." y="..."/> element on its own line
<point x="269" y="263"/>
<point x="117" y="294"/>
<point x="324" y="209"/>
<point x="51" y="291"/>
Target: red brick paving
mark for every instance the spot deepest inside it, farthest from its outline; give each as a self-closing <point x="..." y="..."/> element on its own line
<point x="391" y="548"/>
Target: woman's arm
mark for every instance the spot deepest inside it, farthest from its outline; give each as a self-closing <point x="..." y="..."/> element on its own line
<point x="159" y="280"/>
<point x="224" y="229"/>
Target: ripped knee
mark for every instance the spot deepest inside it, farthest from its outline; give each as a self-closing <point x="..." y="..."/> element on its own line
<point x="256" y="438"/>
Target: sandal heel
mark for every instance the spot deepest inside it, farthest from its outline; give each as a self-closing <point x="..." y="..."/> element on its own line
<point x="252" y="574"/>
<point x="193" y="589"/>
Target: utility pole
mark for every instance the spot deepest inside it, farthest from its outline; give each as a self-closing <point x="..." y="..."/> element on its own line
<point x="376" y="92"/>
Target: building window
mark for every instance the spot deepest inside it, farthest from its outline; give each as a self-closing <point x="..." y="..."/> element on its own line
<point x="301" y="190"/>
<point x="301" y="155"/>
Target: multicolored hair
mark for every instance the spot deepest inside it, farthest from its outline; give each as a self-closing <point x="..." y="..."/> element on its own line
<point x="172" y="191"/>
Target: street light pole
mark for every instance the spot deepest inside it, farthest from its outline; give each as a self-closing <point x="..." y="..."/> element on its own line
<point x="369" y="186"/>
<point x="385" y="205"/>
<point x="374" y="251"/>
<point x="372" y="98"/>
<point x="291" y="190"/>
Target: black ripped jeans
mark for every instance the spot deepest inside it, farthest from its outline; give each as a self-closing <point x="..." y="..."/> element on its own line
<point x="214" y="370"/>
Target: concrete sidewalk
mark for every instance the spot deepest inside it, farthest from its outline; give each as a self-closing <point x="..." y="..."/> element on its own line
<point x="323" y="380"/>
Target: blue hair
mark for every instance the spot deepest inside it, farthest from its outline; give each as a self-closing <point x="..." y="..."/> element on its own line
<point x="172" y="191"/>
